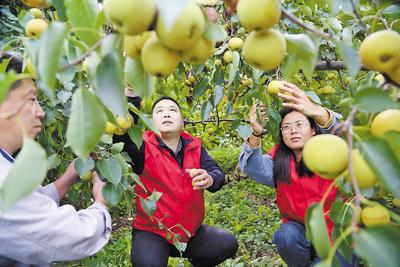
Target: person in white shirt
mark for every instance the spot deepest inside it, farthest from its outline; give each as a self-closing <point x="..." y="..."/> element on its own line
<point x="36" y="230"/>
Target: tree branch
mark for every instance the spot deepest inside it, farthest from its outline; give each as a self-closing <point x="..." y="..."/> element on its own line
<point x="209" y="121"/>
<point x="358" y="17"/>
<point x="82" y="58"/>
<point x="305" y="26"/>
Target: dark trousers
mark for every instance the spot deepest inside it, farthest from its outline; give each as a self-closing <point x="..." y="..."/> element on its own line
<point x="209" y="247"/>
<point x="296" y="250"/>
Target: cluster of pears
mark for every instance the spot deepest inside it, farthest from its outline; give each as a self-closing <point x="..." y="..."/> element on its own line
<point x="35" y="27"/>
<point x="161" y="50"/>
<point x="264" y="48"/>
<point x="328" y="155"/>
<point x="380" y="51"/>
<point x="123" y="124"/>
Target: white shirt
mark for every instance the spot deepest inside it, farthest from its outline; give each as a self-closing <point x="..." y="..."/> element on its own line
<point x="36" y="230"/>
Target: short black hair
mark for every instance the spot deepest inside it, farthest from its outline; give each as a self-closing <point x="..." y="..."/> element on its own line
<point x="15" y="64"/>
<point x="165" y="98"/>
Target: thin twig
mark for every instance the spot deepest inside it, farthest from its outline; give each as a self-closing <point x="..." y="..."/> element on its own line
<point x="82" y="58"/>
<point x="305" y="26"/>
<point x="358" y="17"/>
<point x="209" y="121"/>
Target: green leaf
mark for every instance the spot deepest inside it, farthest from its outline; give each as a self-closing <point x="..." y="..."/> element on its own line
<point x="26" y="175"/>
<point x="82" y="15"/>
<point x="317" y="231"/>
<point x="155" y="196"/>
<point x="49" y="53"/>
<point x="303" y="53"/>
<point x="113" y="193"/>
<point x="138" y="78"/>
<point x="379" y="245"/>
<point x="135" y="133"/>
<point x="314" y="97"/>
<point x="148" y="205"/>
<point x="86" y="124"/>
<point x="53" y="161"/>
<point x="393" y="139"/>
<point x="219" y="94"/>
<point x="383" y="162"/>
<point x="200" y="87"/>
<point x="59" y="6"/>
<point x="215" y="32"/>
<point x="117" y="148"/>
<point x="110" y="169"/>
<point x="234" y="66"/>
<point x="82" y="167"/>
<point x="205" y="110"/>
<point x="4" y="64"/>
<point x="109" y="86"/>
<point x="170" y="10"/>
<point x="145" y="119"/>
<point x="137" y="180"/>
<point x="350" y="57"/>
<point x="181" y="247"/>
<point x="373" y="100"/>
<point x="340" y="213"/>
<point x="244" y="131"/>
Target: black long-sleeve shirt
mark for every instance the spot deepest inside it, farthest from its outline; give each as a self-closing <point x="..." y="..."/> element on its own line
<point x="137" y="154"/>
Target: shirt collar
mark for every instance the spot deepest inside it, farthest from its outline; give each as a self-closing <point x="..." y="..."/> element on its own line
<point x="6" y="156"/>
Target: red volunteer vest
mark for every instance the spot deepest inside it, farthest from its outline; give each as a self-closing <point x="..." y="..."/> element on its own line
<point x="293" y="199"/>
<point x="179" y="203"/>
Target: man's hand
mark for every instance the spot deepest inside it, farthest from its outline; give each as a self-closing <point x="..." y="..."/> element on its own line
<point x="98" y="188"/>
<point x="200" y="179"/>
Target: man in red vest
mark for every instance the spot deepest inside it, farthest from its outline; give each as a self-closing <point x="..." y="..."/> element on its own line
<point x="175" y="164"/>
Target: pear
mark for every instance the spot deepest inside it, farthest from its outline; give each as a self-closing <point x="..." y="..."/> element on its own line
<point x="158" y="60"/>
<point x="201" y="51"/>
<point x="257" y="15"/>
<point x="130" y="17"/>
<point x="380" y="51"/>
<point x="388" y="120"/>
<point x="133" y="44"/>
<point x="35" y="27"/>
<point x="264" y="50"/>
<point x="186" y="30"/>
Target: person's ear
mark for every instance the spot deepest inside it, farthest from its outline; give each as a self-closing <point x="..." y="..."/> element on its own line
<point x="313" y="131"/>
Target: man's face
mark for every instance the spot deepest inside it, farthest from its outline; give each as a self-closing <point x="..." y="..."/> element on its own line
<point x="167" y="117"/>
<point x="28" y="114"/>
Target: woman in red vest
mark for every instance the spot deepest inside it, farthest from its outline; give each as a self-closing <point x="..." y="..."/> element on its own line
<point x="176" y="165"/>
<point x="297" y="188"/>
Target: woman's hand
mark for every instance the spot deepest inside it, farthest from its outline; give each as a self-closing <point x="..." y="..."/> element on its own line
<point x="257" y="128"/>
<point x="299" y="101"/>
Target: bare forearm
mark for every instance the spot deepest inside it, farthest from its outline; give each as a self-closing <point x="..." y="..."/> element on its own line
<point x="64" y="183"/>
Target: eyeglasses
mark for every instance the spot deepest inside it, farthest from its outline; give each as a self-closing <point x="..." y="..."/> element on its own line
<point x="298" y="126"/>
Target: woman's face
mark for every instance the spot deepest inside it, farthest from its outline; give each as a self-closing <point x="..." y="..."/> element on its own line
<point x="296" y="130"/>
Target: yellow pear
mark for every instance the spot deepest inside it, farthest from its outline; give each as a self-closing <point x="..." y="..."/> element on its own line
<point x="133" y="44"/>
<point x="235" y="43"/>
<point x="347" y="80"/>
<point x="200" y="52"/>
<point x="274" y="87"/>
<point x="158" y="60"/>
<point x="365" y="177"/>
<point x="328" y="89"/>
<point x="186" y="30"/>
<point x="36" y="12"/>
<point x="35" y="27"/>
<point x="326" y="155"/>
<point x="130" y="17"/>
<point x="120" y="131"/>
<point x="257" y="15"/>
<point x="264" y="50"/>
<point x="394" y="74"/>
<point x="228" y="56"/>
<point x="87" y="177"/>
<point x="33" y="3"/>
<point x="375" y="215"/>
<point x="380" y="51"/>
<point x="396" y="202"/>
<point x="388" y="120"/>
<point x="125" y="123"/>
<point x="110" y="128"/>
